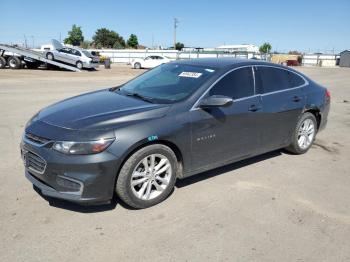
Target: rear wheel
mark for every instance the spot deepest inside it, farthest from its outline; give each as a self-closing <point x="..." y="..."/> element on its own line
<point x="79" y="65"/>
<point x="147" y="177"/>
<point x="137" y="65"/>
<point x="14" y="62"/>
<point x="304" y="134"/>
<point x="2" y="62"/>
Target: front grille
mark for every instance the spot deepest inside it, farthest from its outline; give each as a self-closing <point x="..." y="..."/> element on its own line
<point x="36" y="139"/>
<point x="35" y="162"/>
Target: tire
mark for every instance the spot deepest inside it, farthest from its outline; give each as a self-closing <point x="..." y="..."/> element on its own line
<point x="137" y="65"/>
<point x="307" y="128"/>
<point x="79" y="65"/>
<point x="14" y="62"/>
<point x="2" y="62"/>
<point x="159" y="186"/>
<point x="50" y="56"/>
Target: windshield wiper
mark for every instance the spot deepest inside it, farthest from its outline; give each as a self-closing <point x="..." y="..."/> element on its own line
<point x="144" y="98"/>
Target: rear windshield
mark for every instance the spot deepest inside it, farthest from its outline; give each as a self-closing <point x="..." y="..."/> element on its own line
<point x="168" y="83"/>
<point x="87" y="53"/>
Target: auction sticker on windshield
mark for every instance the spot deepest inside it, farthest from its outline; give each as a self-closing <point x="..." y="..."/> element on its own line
<point x="190" y="74"/>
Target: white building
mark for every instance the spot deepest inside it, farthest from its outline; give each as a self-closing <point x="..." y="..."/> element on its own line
<point x="238" y="48"/>
<point x="325" y="60"/>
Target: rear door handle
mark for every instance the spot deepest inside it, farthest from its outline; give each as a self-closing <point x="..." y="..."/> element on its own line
<point x="296" y="98"/>
<point x="254" y="108"/>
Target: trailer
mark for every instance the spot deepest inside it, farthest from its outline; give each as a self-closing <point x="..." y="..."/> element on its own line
<point x="16" y="57"/>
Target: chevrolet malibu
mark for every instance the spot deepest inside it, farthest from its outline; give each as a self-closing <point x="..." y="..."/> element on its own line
<point x="174" y="121"/>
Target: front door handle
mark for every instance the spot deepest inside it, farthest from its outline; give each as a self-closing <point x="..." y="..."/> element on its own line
<point x="254" y="108"/>
<point x="296" y="98"/>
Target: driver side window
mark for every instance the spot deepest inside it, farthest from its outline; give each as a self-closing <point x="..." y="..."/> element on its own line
<point x="237" y="84"/>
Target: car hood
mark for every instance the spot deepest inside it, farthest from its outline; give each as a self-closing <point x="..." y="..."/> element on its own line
<point x="99" y="110"/>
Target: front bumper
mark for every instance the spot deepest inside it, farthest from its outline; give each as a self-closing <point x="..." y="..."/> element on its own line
<point x="84" y="179"/>
<point x="90" y="65"/>
<point x="51" y="192"/>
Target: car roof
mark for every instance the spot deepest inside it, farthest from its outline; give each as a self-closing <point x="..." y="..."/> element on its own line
<point x="222" y="62"/>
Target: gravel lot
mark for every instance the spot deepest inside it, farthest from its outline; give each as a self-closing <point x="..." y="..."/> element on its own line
<point x="275" y="207"/>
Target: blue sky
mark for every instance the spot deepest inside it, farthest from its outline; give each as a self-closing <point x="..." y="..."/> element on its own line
<point x="288" y="25"/>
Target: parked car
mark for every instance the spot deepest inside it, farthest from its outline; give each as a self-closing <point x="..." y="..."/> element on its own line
<point x="292" y="63"/>
<point x="75" y="56"/>
<point x="174" y="121"/>
<point x="149" y="61"/>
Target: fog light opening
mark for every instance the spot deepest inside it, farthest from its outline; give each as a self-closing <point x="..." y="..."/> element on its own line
<point x="72" y="185"/>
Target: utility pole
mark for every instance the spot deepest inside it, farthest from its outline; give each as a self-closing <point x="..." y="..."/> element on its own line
<point x="32" y="37"/>
<point x="25" y="41"/>
<point x="175" y="26"/>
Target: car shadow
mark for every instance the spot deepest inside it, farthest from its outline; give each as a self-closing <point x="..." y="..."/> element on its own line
<point x="58" y="203"/>
<point x="227" y="168"/>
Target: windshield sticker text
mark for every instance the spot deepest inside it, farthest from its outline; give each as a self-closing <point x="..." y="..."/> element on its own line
<point x="190" y="74"/>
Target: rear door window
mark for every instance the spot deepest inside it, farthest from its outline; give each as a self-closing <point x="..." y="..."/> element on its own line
<point x="237" y="84"/>
<point x="271" y="79"/>
<point x="295" y="80"/>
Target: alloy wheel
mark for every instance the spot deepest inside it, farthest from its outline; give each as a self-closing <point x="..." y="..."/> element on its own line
<point x="151" y="176"/>
<point x="306" y="133"/>
<point x="12" y="63"/>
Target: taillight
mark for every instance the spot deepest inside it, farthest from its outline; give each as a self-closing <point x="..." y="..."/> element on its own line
<point x="328" y="94"/>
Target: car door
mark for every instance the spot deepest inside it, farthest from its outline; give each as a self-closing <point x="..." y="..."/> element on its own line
<point x="283" y="100"/>
<point x="73" y="56"/>
<point x="148" y="62"/>
<point x="158" y="60"/>
<point x="62" y="54"/>
<point x="222" y="134"/>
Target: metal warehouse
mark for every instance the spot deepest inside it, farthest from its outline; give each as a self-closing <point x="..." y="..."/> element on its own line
<point x="344" y="60"/>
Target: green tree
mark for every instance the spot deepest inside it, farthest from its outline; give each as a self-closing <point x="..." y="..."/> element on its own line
<point x="265" y="48"/>
<point x="75" y="36"/>
<point x="108" y="38"/>
<point x="118" y="45"/>
<point x="133" y="41"/>
<point x="179" y="46"/>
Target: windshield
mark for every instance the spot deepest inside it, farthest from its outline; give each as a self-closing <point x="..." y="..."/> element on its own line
<point x="168" y="83"/>
<point x="87" y="53"/>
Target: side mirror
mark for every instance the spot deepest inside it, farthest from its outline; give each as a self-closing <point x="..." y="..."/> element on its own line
<point x="215" y="101"/>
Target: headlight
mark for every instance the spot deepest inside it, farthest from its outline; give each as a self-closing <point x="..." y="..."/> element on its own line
<point x="82" y="148"/>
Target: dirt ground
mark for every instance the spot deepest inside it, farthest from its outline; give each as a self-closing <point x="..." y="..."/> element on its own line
<point x="275" y="207"/>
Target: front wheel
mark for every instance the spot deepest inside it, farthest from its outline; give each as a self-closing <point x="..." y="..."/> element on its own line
<point x="147" y="177"/>
<point x="304" y="134"/>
